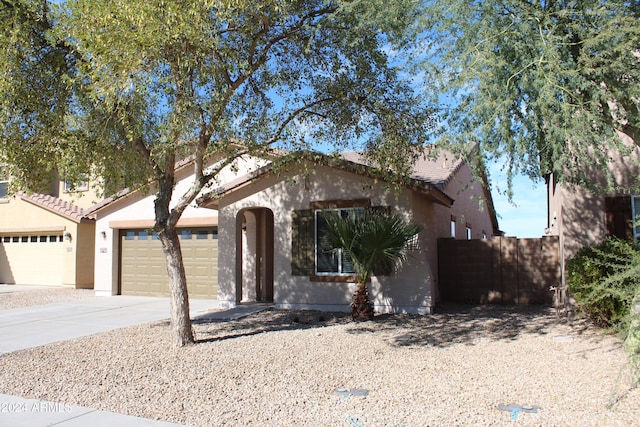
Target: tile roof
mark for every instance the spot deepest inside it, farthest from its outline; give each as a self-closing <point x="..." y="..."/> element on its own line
<point x="435" y="170"/>
<point x="430" y="173"/>
<point x="56" y="205"/>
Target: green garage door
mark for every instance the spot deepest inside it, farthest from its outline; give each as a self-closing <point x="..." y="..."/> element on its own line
<point x="143" y="267"/>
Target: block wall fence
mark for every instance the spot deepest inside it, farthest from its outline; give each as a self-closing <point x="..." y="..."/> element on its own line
<point x="501" y="270"/>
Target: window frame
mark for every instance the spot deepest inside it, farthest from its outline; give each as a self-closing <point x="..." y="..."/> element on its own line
<point x="303" y="239"/>
<point x="81" y="186"/>
<point x="340" y="252"/>
<point x="620" y="212"/>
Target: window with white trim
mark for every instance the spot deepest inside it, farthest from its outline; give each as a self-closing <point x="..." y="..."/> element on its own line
<point x="329" y="260"/>
<point x="82" y="185"/>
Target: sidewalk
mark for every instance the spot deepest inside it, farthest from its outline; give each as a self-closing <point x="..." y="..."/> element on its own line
<point x="18" y="412"/>
<point x="34" y="326"/>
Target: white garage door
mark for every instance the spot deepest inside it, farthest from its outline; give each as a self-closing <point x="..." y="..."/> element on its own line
<point x="143" y="266"/>
<point x="32" y="259"/>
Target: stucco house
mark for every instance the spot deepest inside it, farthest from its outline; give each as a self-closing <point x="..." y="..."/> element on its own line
<point x="47" y="239"/>
<point x="584" y="218"/>
<point x="264" y="218"/>
<point x="128" y="254"/>
<point x="269" y="226"/>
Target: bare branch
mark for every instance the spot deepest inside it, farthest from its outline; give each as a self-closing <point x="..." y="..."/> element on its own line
<point x="223" y="67"/>
<point x="304" y="109"/>
<point x="288" y="33"/>
<point x="256" y="63"/>
<point x="266" y="25"/>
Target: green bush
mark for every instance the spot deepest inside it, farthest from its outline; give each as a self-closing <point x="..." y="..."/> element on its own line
<point x="604" y="280"/>
<point x="632" y="343"/>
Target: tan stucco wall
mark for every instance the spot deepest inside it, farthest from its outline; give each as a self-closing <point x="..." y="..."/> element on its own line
<point x="413" y="289"/>
<point x="137" y="211"/>
<point x="577" y="215"/>
<point x="67" y="263"/>
<point x="470" y="207"/>
<point x="84" y="256"/>
<point x="83" y="197"/>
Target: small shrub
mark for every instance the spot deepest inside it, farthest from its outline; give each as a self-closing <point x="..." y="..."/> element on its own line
<point x="632" y="343"/>
<point x="604" y="280"/>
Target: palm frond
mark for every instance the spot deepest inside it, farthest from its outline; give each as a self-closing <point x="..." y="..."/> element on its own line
<point x="375" y="240"/>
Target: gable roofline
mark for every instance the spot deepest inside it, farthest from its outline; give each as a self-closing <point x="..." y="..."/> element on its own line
<point x="179" y="166"/>
<point x="434" y="165"/>
<point x="93" y="210"/>
<point x="421" y="186"/>
<point x="469" y="154"/>
<point x="126" y="192"/>
<point x="57" y="206"/>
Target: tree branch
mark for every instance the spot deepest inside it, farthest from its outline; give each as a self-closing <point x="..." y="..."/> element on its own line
<point x="304" y="109"/>
<point x="256" y="63"/>
<point x="137" y="141"/>
<point x="200" y="181"/>
<point x="262" y="58"/>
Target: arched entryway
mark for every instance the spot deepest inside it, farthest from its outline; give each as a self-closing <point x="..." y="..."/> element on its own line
<point x="254" y="255"/>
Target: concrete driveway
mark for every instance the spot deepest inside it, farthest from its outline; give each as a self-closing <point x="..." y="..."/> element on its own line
<point x="43" y="324"/>
<point x="38" y="325"/>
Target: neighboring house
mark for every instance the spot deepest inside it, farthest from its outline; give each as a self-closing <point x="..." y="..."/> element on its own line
<point x="583" y="218"/>
<point x="46" y="239"/>
<point x="269" y="227"/>
<point x="128" y="254"/>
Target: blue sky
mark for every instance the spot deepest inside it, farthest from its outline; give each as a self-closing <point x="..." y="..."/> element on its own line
<point x="526" y="215"/>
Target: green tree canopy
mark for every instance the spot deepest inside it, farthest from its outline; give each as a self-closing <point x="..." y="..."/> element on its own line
<point x="547" y="85"/>
<point x="129" y="87"/>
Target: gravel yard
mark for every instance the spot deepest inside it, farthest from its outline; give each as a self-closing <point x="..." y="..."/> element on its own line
<point x="282" y="368"/>
<point x="40" y="295"/>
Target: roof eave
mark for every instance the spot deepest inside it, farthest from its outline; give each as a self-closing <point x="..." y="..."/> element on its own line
<point x="78" y="217"/>
<point x="432" y="192"/>
<point x="211" y="200"/>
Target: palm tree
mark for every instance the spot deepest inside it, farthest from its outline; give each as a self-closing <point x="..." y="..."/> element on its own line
<point x="375" y="241"/>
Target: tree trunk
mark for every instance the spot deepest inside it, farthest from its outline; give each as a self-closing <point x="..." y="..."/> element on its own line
<point x="362" y="306"/>
<point x="180" y="318"/>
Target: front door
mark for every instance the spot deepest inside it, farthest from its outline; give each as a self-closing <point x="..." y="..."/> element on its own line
<point x="255" y="251"/>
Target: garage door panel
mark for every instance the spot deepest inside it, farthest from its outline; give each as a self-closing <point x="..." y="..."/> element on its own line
<point x="18" y="256"/>
<point x="143" y="265"/>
